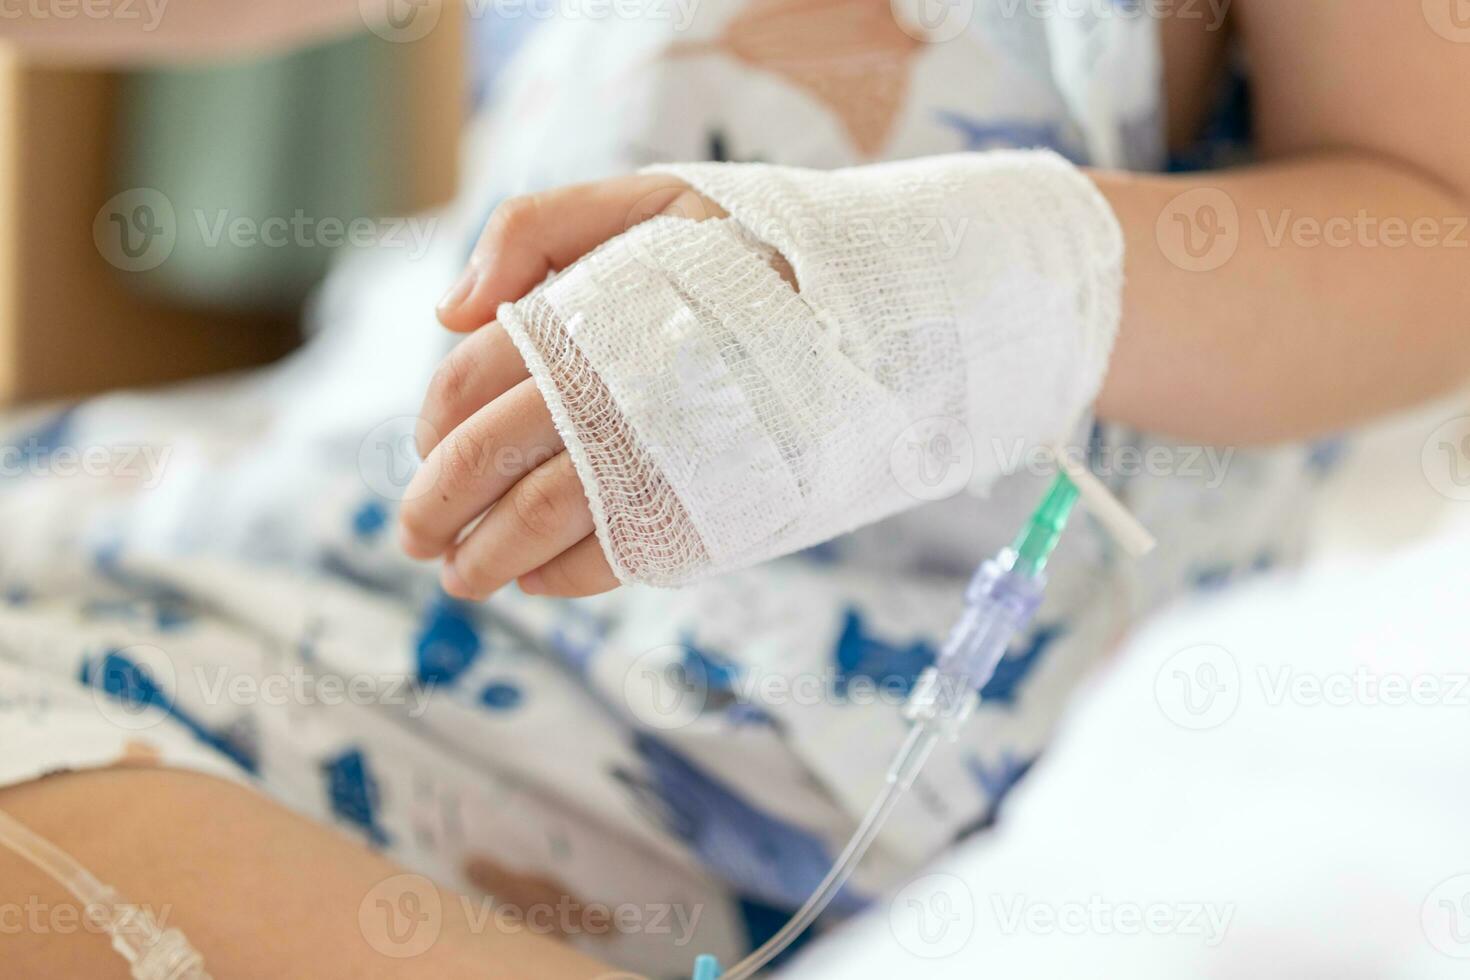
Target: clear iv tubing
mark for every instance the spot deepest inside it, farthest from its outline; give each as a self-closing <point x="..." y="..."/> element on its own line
<point x="1000" y="600"/>
<point x="152" y="953"/>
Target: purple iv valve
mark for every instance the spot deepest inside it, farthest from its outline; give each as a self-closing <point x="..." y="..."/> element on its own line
<point x="1000" y="602"/>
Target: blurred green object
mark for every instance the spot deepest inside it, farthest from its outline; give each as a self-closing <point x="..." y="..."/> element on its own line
<point x="267" y="164"/>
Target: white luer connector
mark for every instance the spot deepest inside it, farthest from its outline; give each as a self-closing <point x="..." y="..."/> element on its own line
<point x="1125" y="529"/>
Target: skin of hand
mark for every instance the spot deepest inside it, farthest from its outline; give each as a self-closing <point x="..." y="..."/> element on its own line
<point x="485" y="435"/>
<point x="1286" y="339"/>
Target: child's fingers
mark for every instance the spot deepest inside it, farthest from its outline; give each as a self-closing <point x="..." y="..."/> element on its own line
<point x="540" y="517"/>
<point x="473" y="466"/>
<point x="483" y="367"/>
<point x="531" y="235"/>
<point x="580" y="570"/>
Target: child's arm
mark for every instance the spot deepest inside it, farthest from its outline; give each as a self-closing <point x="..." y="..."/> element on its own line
<point x="1260" y="332"/>
<point x="258" y="890"/>
<point x="1347" y="291"/>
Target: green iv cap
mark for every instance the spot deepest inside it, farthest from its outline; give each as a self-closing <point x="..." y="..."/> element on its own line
<point x="1036" y="541"/>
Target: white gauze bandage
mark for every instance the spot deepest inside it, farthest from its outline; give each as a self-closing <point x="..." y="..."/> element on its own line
<point x="718" y="417"/>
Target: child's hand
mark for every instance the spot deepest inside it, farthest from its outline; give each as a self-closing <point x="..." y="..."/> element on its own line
<point x="486" y="436"/>
<point x="735" y="390"/>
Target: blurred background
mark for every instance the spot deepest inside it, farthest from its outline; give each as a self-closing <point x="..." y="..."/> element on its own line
<point x="273" y="112"/>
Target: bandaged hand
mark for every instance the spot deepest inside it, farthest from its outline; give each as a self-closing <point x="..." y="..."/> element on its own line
<point x="720" y="392"/>
<point x="485" y="434"/>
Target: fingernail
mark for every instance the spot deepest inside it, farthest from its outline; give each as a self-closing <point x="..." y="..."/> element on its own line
<point x="531" y="583"/>
<point x="459" y="292"/>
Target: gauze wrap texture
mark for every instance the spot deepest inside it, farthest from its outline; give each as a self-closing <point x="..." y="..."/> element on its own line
<point x="719" y="417"/>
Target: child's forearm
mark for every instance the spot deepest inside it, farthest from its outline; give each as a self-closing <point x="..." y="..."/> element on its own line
<point x="1286" y="300"/>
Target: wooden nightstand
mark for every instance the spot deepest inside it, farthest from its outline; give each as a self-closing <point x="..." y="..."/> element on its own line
<point x="72" y="322"/>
